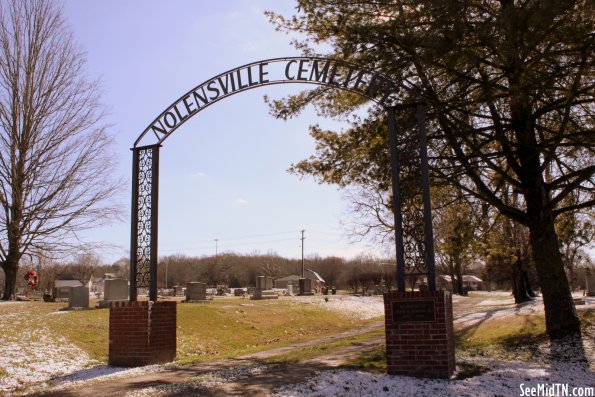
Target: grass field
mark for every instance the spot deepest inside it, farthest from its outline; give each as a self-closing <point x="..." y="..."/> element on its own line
<point x="222" y="328"/>
<point x="226" y="328"/>
<point x="516" y="337"/>
<point x="44" y="340"/>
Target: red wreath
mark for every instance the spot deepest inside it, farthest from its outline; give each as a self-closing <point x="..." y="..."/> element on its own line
<point x="32" y="278"/>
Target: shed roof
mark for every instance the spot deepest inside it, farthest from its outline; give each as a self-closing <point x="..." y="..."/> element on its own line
<point x="67" y="283"/>
<point x="316" y="276"/>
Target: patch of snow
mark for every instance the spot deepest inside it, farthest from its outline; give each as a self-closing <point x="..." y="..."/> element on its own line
<point x="503" y="379"/>
<point x="203" y="383"/>
<point x="35" y="356"/>
<point x="100" y="373"/>
<point x="494" y="302"/>
<point x="38" y="358"/>
<point x="490" y="293"/>
<point x="356" y="307"/>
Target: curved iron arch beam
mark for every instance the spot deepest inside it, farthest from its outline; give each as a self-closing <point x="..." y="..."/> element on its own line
<point x="287" y="70"/>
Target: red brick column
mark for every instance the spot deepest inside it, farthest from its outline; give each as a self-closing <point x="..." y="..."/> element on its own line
<point x="419" y="334"/>
<point x="142" y="333"/>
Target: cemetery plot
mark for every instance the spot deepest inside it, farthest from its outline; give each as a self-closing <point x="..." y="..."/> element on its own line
<point x="196" y="292"/>
<point x="264" y="288"/>
<point x="232" y="327"/>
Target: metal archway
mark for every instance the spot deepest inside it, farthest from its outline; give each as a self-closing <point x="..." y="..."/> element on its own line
<point x="336" y="74"/>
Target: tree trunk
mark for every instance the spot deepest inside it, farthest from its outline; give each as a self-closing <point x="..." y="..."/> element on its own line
<point x="530" y="291"/>
<point x="521" y="293"/>
<point x="453" y="287"/>
<point x="10" y="267"/>
<point x="460" y="290"/>
<point x="560" y="314"/>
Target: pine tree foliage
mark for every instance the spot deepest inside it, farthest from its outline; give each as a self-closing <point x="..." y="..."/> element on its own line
<point x="509" y="87"/>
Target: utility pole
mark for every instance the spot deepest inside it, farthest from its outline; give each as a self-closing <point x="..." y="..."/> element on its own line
<point x="216" y="246"/>
<point x="303" y="238"/>
<point x="215" y="267"/>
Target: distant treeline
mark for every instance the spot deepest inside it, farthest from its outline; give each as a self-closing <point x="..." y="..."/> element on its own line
<point x="235" y="270"/>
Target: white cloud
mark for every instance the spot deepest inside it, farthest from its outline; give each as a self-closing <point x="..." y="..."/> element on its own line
<point x="197" y="174"/>
<point x="240" y="201"/>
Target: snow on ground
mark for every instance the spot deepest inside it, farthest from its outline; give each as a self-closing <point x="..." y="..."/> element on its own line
<point x="502" y="379"/>
<point x="100" y="373"/>
<point x="32" y="354"/>
<point x="357" y="307"/>
<point x="501" y="309"/>
<point x="201" y="384"/>
<point x="35" y="357"/>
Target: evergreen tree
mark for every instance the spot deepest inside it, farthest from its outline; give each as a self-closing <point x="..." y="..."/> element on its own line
<point x="510" y="95"/>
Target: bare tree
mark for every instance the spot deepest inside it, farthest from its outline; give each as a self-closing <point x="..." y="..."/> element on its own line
<point x="55" y="165"/>
<point x="84" y="266"/>
<point x="370" y="217"/>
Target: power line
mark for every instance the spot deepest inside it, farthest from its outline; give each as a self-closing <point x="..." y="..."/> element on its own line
<point x="228" y="238"/>
<point x="321" y="232"/>
<point x="224" y="246"/>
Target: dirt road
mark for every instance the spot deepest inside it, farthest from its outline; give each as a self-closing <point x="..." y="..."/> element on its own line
<point x="249" y="376"/>
<point x="245" y="375"/>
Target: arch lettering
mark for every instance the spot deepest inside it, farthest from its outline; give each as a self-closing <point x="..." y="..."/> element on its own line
<point x="305" y="70"/>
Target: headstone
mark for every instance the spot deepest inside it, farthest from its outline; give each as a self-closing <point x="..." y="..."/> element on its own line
<point x="179" y="291"/>
<point x="61" y="293"/>
<point x="239" y="292"/>
<point x="306" y="286"/>
<point x="196" y="291"/>
<point x="79" y="298"/>
<point x="289" y="289"/>
<point x="115" y="290"/>
<point x="260" y="283"/>
<point x="264" y="288"/>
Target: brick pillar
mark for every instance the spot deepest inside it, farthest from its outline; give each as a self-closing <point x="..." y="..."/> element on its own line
<point x="419" y="334"/>
<point x="142" y="333"/>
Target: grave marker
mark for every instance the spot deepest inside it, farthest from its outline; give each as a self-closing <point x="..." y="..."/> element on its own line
<point x="305" y="287"/>
<point x="196" y="291"/>
<point x="115" y="289"/>
<point x="79" y="298"/>
<point x="264" y="288"/>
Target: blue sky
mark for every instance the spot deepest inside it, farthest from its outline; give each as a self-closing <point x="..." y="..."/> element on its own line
<point x="223" y="174"/>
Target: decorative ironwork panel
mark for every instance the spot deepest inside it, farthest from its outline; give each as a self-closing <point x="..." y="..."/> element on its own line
<point x="143" y="241"/>
<point x="412" y="200"/>
<point x="411" y="195"/>
<point x="144" y="201"/>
